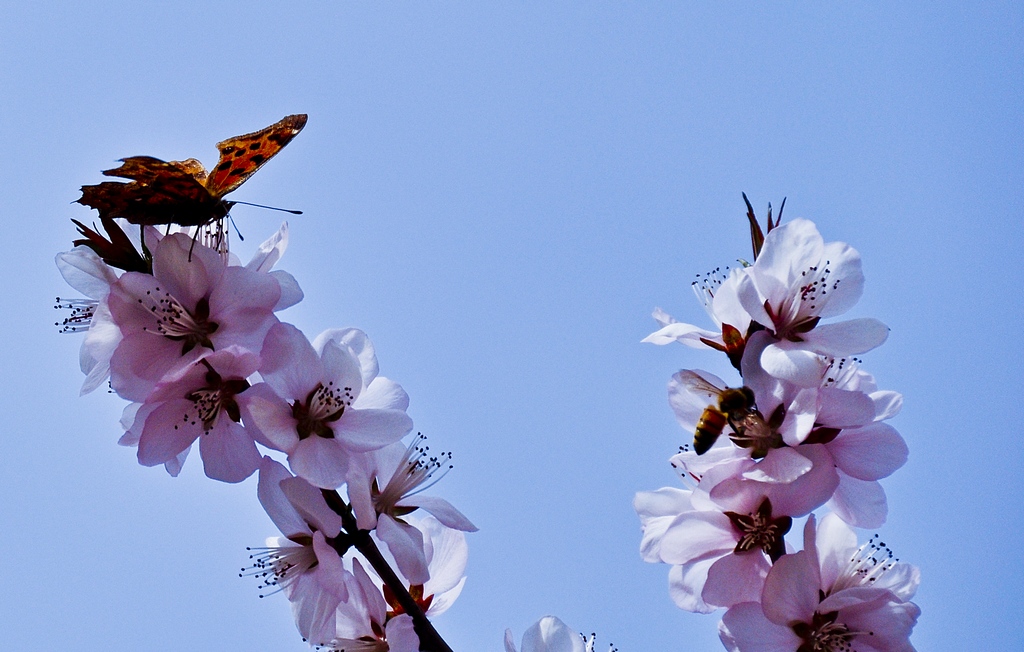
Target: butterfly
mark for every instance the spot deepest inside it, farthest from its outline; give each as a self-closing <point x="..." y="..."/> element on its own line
<point x="183" y="192"/>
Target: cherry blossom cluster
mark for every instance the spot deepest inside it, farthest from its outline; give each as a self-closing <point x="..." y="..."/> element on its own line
<point x="190" y="337"/>
<point x="804" y="429"/>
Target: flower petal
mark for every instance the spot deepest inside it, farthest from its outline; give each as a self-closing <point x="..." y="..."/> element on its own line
<point x="357" y="343"/>
<point x="367" y="430"/>
<point x="383" y="394"/>
<point x="406" y="545"/>
<point x="320" y="461"/>
<point x="745" y="629"/>
<point x="228" y="451"/>
<point x="685" y="584"/>
<point x="441" y="509"/>
<point x="861" y="503"/>
<point x="791" y="589"/>
<point x="550" y="634"/>
<point x="312" y="506"/>
<point x="687" y="334"/>
<point x="86" y="272"/>
<point x="787" y="361"/>
<point x="169" y="429"/>
<point x="847" y="338"/>
<point x="736" y="578"/>
<point x="288" y="362"/>
<point x="697" y="535"/>
<point x="268" y="417"/>
<point x="869" y="453"/>
<point x="275" y="503"/>
<point x="780" y="465"/>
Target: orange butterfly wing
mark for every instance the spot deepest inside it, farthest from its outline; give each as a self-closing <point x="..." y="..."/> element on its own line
<point x="241" y="156"/>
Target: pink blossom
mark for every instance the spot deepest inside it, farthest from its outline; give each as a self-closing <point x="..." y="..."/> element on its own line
<point x="721" y="301"/>
<point x="831" y="433"/>
<point x="199" y="402"/>
<point x="842" y="413"/>
<point x="192" y="302"/>
<point x="304" y="563"/>
<point x="796" y="281"/>
<point x="445" y="552"/>
<point x="86" y="272"/>
<point x="323" y="403"/>
<point x="719" y="558"/>
<point x="364" y="623"/>
<point x="385" y="486"/>
<point x="831" y="596"/>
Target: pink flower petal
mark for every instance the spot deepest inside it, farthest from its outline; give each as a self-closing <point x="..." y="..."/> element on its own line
<point x="889" y="622"/>
<point x="442" y="510"/>
<point x="242" y="293"/>
<point x="228" y="451"/>
<point x="406" y="545"/>
<point x="861" y="503"/>
<point x="869" y="453"/>
<point x="288" y="362"/>
<point x="550" y="634"/>
<point x="270" y="251"/>
<point x="835" y="544"/>
<point x="268" y="417"/>
<point x="320" y="461"/>
<point x="847" y="338"/>
<point x="275" y="503"/>
<point x="341" y="367"/>
<point x="312" y="506"/>
<point x="745" y="629"/>
<point x="360" y="474"/>
<point x="685" y="584"/>
<point x="83" y="270"/>
<point x="786" y="361"/>
<point x="169" y="429"/>
<point x="383" y="394"/>
<point x="357" y="344"/>
<point x="185" y="271"/>
<point x="367" y="430"/>
<point x="736" y="578"/>
<point x="779" y="466"/>
<point x="697" y="535"/>
<point x="687" y="334"/>
<point x="791" y="589"/>
<point x="839" y="408"/>
<point x="401" y="635"/>
<point x="887" y="404"/>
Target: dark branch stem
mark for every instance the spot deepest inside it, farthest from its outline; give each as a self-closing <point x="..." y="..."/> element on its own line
<point x="430" y="640"/>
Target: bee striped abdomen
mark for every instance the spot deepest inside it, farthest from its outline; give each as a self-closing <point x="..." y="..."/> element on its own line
<point x="710" y="425"/>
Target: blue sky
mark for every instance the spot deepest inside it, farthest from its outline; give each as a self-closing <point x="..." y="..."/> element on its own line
<point x="499" y="194"/>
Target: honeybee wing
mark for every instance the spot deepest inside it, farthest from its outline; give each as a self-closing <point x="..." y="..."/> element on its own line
<point x="694" y="397"/>
<point x="702" y="383"/>
<point x="690" y="393"/>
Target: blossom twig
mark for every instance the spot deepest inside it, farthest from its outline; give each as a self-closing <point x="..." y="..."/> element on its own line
<point x="430" y="639"/>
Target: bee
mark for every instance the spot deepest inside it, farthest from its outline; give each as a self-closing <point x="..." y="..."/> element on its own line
<point x="736" y="408"/>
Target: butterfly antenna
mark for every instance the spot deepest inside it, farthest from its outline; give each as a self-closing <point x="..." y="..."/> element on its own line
<point x="241" y="238"/>
<point x="273" y="208"/>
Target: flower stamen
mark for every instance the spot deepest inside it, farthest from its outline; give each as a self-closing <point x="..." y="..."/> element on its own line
<point x="80" y="319"/>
